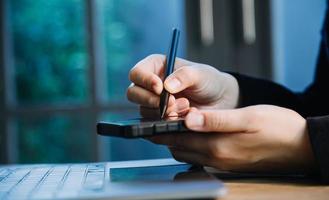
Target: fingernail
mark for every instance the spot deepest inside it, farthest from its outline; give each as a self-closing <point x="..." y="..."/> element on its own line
<point x="195" y="119"/>
<point x="173" y="84"/>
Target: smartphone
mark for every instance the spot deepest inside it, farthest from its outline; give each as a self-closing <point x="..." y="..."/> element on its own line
<point x="136" y="128"/>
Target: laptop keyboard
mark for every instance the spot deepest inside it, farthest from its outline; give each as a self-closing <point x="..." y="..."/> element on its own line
<point x="50" y="181"/>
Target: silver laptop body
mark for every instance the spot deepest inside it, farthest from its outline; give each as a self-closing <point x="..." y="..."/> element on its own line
<point x="144" y="179"/>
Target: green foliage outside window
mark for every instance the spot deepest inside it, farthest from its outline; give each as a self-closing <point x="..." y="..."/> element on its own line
<point x="50" y="51"/>
<point x="56" y="138"/>
<point x="51" y="65"/>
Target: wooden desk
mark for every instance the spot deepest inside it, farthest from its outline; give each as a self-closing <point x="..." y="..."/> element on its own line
<point x="267" y="189"/>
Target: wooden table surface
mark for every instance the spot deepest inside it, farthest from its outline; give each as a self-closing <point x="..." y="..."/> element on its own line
<point x="279" y="188"/>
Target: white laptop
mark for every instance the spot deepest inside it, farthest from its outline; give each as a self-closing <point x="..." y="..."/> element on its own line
<point x="144" y="179"/>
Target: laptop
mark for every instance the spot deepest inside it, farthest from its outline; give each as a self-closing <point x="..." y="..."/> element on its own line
<point x="143" y="179"/>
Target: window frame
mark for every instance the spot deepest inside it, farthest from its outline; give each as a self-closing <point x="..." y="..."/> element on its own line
<point x="9" y="152"/>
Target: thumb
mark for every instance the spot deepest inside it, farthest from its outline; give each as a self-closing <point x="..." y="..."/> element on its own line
<point x="233" y="120"/>
<point x="181" y="79"/>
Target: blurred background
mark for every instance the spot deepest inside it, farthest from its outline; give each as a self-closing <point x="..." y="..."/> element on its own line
<point x="64" y="64"/>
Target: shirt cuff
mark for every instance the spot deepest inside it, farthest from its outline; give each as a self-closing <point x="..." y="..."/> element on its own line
<point x="318" y="129"/>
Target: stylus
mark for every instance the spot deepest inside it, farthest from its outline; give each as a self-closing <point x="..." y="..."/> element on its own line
<point x="170" y="62"/>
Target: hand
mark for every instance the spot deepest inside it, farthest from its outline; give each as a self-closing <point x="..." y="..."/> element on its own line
<point x="192" y="84"/>
<point x="253" y="139"/>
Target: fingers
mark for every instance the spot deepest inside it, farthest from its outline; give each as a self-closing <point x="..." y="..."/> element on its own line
<point x="176" y="107"/>
<point x="147" y="85"/>
<point x="193" y="142"/>
<point x="147" y="73"/>
<point x="154" y="113"/>
<point x="181" y="106"/>
<point x="234" y="120"/>
<point x="181" y="79"/>
<point x="142" y="96"/>
<point x="146" y="80"/>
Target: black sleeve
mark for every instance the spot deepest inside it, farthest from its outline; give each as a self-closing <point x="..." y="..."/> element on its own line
<point x="319" y="137"/>
<point x="312" y="102"/>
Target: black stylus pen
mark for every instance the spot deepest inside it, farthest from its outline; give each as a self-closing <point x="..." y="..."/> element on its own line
<point x="170" y="62"/>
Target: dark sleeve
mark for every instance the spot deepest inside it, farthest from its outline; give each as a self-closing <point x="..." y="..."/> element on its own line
<point x="319" y="137"/>
<point x="312" y="102"/>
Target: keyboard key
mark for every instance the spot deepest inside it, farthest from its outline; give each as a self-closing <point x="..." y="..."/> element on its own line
<point x="95" y="177"/>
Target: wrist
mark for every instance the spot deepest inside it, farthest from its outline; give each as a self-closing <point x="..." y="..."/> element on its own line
<point x="304" y="156"/>
<point x="232" y="90"/>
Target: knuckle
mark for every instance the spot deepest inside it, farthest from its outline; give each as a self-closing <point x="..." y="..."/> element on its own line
<point x="146" y="82"/>
<point x="157" y="59"/>
<point x="220" y="121"/>
<point x="185" y="71"/>
<point x="255" y="119"/>
<point x="186" y="75"/>
<point x="215" y="121"/>
<point x="153" y="102"/>
<point x="133" y="73"/>
<point x="129" y="93"/>
<point x="227" y="162"/>
<point x="215" y="149"/>
<point x="221" y="154"/>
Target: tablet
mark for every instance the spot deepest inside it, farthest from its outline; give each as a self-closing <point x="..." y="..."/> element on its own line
<point x="135" y="128"/>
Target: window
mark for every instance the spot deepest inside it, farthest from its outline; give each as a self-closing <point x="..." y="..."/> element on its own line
<point x="49" y="51"/>
<point x="65" y="67"/>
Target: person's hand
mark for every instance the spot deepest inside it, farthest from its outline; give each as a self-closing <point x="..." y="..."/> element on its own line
<point x="257" y="138"/>
<point x="192" y="84"/>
